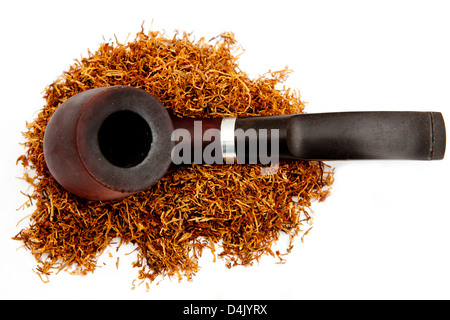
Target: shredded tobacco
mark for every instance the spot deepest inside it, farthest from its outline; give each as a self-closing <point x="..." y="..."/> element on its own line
<point x="232" y="207"/>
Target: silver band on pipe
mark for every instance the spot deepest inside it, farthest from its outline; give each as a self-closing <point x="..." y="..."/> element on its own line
<point x="227" y="140"/>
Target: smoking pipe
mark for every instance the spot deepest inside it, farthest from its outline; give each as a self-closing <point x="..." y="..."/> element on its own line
<point x="110" y="142"/>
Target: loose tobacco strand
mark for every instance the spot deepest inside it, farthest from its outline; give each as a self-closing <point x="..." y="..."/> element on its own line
<point x="191" y="208"/>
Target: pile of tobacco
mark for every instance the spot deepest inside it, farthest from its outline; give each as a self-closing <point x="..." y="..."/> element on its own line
<point x="231" y="210"/>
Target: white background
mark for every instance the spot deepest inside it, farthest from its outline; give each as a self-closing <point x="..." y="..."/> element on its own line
<point x="384" y="231"/>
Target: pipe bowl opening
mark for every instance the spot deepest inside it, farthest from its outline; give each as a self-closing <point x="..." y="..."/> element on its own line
<point x="125" y="139"/>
